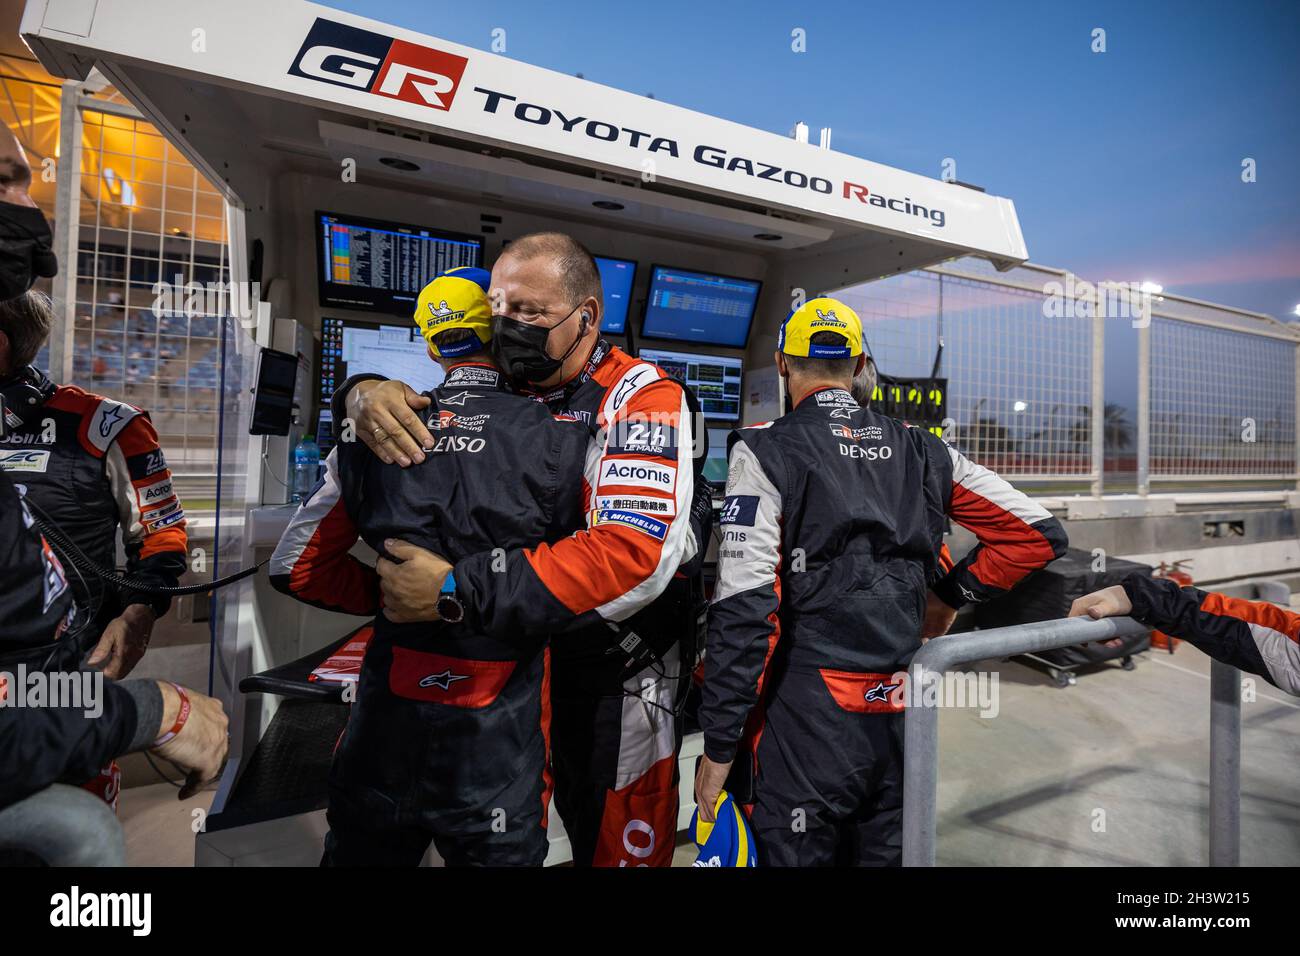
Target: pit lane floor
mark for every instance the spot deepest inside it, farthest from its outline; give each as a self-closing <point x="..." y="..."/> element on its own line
<point x="1110" y="772"/>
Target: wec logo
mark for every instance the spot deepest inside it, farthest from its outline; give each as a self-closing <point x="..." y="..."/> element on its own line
<point x="345" y="56"/>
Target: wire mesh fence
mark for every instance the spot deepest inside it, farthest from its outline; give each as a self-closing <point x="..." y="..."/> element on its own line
<point x="1222" y="399"/>
<point x="1220" y="385"/>
<point x="1020" y="374"/>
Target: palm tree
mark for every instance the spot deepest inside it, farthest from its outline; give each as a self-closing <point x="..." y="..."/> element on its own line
<point x="1117" y="429"/>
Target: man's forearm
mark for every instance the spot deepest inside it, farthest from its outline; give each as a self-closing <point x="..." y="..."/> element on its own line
<point x="44" y="745"/>
<point x="1254" y="636"/>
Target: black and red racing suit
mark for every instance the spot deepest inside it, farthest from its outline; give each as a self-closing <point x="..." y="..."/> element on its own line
<point x="615" y="737"/>
<point x="1254" y="636"/>
<point x="447" y="740"/>
<point x="92" y="467"/>
<point x="832" y="532"/>
<point x="58" y="741"/>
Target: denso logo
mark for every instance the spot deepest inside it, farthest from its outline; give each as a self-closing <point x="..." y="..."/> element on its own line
<point x="345" y="56"/>
<point x="451" y="443"/>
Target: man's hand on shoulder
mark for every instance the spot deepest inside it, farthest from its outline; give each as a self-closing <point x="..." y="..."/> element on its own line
<point x="383" y="415"/>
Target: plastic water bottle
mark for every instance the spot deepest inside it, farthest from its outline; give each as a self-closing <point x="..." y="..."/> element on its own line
<point x="306" y="467"/>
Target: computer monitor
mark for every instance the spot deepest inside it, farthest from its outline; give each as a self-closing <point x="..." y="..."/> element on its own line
<point x="699" y="307"/>
<point x="715" y="465"/>
<point x="349" y="346"/>
<point x="616" y="278"/>
<point x="715" y="379"/>
<point x="381" y="266"/>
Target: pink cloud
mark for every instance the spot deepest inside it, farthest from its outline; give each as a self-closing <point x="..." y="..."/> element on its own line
<point x="1240" y="263"/>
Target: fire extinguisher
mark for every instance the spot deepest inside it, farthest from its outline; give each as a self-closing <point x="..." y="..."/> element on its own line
<point x="1173" y="572"/>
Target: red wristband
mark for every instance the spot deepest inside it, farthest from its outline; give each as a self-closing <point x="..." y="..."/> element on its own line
<point x="181" y="717"/>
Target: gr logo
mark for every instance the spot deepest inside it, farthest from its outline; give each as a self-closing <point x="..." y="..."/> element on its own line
<point x="345" y="56"/>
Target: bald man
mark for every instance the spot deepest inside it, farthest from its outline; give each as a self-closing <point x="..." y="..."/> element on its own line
<point x="622" y="587"/>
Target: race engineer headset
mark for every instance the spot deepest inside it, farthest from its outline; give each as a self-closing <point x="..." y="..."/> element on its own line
<point x="832" y="528"/>
<point x="91" y="466"/>
<point x="447" y="740"/>
<point x="635" y="565"/>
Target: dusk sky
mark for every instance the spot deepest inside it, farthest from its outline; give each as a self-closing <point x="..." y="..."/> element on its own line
<point x="1123" y="165"/>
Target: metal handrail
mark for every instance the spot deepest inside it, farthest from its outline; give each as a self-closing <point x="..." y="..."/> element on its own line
<point x="921" y="742"/>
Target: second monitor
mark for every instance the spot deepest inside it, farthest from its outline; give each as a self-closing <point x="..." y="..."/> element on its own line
<point x="715" y="379"/>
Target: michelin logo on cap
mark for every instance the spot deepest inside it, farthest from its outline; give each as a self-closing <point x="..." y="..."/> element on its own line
<point x="822" y="314"/>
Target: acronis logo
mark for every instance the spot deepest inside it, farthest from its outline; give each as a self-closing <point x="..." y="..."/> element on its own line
<point x="346" y="56"/>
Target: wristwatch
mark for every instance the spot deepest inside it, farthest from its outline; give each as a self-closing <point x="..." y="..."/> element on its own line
<point x="449" y="607"/>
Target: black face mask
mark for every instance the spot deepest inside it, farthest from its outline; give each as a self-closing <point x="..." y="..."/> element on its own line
<point x="26" y="251"/>
<point x="519" y="349"/>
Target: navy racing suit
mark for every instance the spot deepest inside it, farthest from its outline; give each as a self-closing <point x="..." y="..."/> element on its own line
<point x="448" y="737"/>
<point x="831" y="535"/>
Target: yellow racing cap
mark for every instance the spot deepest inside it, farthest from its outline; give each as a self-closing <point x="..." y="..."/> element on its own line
<point x="822" y="314"/>
<point x="457" y="299"/>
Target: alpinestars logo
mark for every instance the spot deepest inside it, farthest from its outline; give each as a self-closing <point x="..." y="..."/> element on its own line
<point x="880" y="692"/>
<point x="110" y="417"/>
<point x="346" y="56"/>
<point x="442" y="681"/>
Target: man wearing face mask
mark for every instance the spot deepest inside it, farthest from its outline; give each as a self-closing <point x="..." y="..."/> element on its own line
<point x="43" y="748"/>
<point x="621" y="588"/>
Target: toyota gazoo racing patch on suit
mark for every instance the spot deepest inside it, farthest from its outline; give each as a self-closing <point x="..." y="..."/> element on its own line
<point x="636" y="473"/>
<point x="643" y="523"/>
<point x="633" y="436"/>
<point x="28" y="460"/>
<point x="466" y="423"/>
<point x="664" y="507"/>
<point x="863" y="433"/>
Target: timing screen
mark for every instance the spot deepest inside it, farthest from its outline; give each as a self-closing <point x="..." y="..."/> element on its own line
<point x="388" y="260"/>
<point x="715" y="379"/>
<point x="394" y="351"/>
<point x="696" y="307"/>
